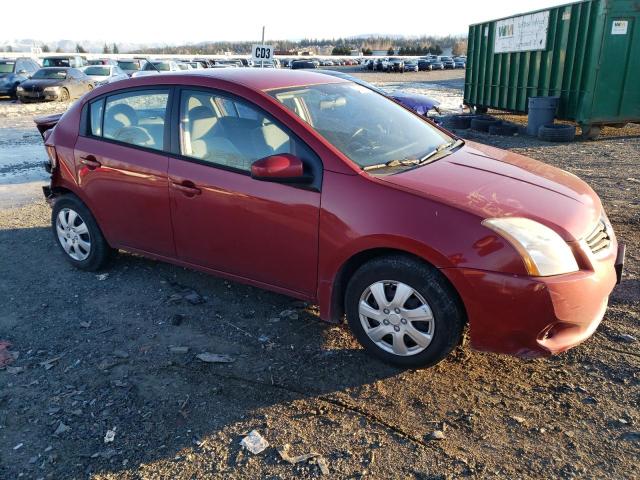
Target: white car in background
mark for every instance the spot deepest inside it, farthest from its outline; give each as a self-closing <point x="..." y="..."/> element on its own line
<point x="158" y="66"/>
<point x="102" y="74"/>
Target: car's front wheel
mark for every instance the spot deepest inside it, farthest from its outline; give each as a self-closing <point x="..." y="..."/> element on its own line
<point x="78" y="235"/>
<point x="404" y="311"/>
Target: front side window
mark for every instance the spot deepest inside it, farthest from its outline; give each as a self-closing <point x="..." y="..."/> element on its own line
<point x="228" y="132"/>
<point x="137" y="118"/>
<point x="365" y="126"/>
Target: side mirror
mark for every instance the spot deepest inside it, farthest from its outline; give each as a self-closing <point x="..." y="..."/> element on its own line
<point x="22" y="72"/>
<point x="285" y="168"/>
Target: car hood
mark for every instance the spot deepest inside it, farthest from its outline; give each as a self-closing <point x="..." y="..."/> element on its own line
<point x="44" y="82"/>
<point x="490" y="182"/>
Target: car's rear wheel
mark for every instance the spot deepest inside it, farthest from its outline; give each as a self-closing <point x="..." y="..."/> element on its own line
<point x="78" y="235"/>
<point x="404" y="311"/>
<point x="64" y="95"/>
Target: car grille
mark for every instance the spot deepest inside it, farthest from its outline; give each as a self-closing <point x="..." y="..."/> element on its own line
<point x="599" y="240"/>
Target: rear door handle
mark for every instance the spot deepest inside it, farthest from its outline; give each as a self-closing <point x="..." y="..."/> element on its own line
<point x="187" y="187"/>
<point x="90" y="161"/>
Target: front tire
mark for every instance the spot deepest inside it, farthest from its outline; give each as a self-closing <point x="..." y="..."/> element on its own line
<point x="404" y="311"/>
<point x="64" y="95"/>
<point x="78" y="235"/>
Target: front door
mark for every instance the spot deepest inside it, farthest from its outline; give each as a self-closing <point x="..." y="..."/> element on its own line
<point x="122" y="169"/>
<point x="225" y="220"/>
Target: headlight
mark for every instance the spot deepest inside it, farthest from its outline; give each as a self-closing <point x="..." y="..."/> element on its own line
<point x="19" y="89"/>
<point x="54" y="90"/>
<point x="543" y="251"/>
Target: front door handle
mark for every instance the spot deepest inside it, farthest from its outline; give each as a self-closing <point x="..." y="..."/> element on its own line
<point x="90" y="161"/>
<point x="187" y="187"/>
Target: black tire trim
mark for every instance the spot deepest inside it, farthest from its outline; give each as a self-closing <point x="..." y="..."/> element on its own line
<point x="432" y="285"/>
<point x="101" y="252"/>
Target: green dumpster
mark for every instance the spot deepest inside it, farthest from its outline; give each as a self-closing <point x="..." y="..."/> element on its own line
<point x="585" y="53"/>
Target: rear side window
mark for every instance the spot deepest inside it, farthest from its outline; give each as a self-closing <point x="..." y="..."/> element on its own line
<point x="137" y="118"/>
<point x="95" y="115"/>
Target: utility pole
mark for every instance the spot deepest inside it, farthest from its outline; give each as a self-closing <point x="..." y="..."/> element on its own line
<point x="262" y="61"/>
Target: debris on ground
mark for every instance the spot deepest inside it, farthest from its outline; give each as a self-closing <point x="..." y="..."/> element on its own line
<point x="62" y="428"/>
<point x="177" y="319"/>
<point x="102" y="276"/>
<point x="322" y="463"/>
<point x="110" y="435"/>
<point x="626" y="338"/>
<point x="6" y="357"/>
<point x="254" y="442"/>
<point x="436" y="435"/>
<point x="50" y="362"/>
<point x="215" y="358"/>
<point x="15" y="370"/>
<point x="194" y="298"/>
<point x="179" y="350"/>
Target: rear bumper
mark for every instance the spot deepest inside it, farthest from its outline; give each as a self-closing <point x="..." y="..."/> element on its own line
<point x="535" y="316"/>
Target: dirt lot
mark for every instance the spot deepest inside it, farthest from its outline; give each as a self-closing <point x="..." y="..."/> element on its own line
<point x="106" y="383"/>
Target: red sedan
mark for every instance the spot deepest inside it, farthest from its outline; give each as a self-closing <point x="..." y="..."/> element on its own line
<point x="321" y="189"/>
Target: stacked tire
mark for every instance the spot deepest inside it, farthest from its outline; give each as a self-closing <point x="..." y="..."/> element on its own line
<point x="557" y="133"/>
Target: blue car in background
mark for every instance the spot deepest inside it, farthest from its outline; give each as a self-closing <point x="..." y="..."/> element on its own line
<point x="14" y="71"/>
<point x="421" y="104"/>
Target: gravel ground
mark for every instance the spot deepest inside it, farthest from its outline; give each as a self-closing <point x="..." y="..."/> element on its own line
<point x="106" y="382"/>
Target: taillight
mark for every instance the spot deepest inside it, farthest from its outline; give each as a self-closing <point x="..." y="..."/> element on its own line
<point x="53" y="157"/>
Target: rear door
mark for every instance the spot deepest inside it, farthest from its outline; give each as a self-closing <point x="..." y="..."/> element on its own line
<point x="122" y="168"/>
<point x="225" y="220"/>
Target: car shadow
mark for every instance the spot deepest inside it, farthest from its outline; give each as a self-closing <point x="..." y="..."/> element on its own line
<point x="118" y="338"/>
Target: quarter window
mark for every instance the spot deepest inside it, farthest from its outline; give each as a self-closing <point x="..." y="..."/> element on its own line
<point x="137" y="118"/>
<point x="95" y="115"/>
<point x="228" y="132"/>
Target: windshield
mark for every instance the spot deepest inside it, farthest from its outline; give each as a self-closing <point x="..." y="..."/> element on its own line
<point x="50" y="73"/>
<point x="6" y="67"/>
<point x="162" y="66"/>
<point x="367" y="127"/>
<point x="128" y="65"/>
<point x="98" y="71"/>
<point x="56" y="62"/>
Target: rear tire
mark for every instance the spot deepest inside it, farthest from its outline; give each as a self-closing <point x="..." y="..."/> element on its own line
<point x="417" y="331"/>
<point x="78" y="235"/>
<point x="64" y="95"/>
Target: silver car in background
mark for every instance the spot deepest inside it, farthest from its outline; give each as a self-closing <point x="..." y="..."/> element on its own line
<point x="103" y="74"/>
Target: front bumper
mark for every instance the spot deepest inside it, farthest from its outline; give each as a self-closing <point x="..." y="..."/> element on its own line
<point x="38" y="96"/>
<point x="536" y="316"/>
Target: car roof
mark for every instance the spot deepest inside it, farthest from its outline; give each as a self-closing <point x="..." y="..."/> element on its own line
<point x="254" y="78"/>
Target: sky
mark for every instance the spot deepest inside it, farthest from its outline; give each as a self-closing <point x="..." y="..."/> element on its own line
<point x="192" y="21"/>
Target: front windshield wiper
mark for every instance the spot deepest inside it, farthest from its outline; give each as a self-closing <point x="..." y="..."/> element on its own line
<point x="441" y="150"/>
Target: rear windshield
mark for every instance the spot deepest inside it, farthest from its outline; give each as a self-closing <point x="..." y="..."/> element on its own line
<point x="50" y="73"/>
<point x="98" y="71"/>
<point x="162" y="66"/>
<point x="6" y="67"/>
<point x="128" y="65"/>
<point x="56" y="62"/>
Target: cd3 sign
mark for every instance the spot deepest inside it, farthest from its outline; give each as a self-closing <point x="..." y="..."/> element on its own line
<point x="262" y="53"/>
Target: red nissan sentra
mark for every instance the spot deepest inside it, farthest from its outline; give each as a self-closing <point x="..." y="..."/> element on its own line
<point x="324" y="190"/>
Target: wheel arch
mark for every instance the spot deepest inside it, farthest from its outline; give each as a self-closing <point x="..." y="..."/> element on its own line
<point x="338" y="289"/>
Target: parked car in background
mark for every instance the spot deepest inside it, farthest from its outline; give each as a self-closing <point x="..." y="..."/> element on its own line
<point x="447" y="62"/>
<point x="421" y="104"/>
<point x="297" y="64"/>
<point x="460" y="62"/>
<point x="54" y="83"/>
<point x="411" y="66"/>
<point x="14" y="71"/>
<point x="73" y="61"/>
<point x="153" y="67"/>
<point x="367" y="210"/>
<point x="130" y="65"/>
<point x="430" y="64"/>
<point x="184" y="66"/>
<point x="102" y="74"/>
<point x="102" y="61"/>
